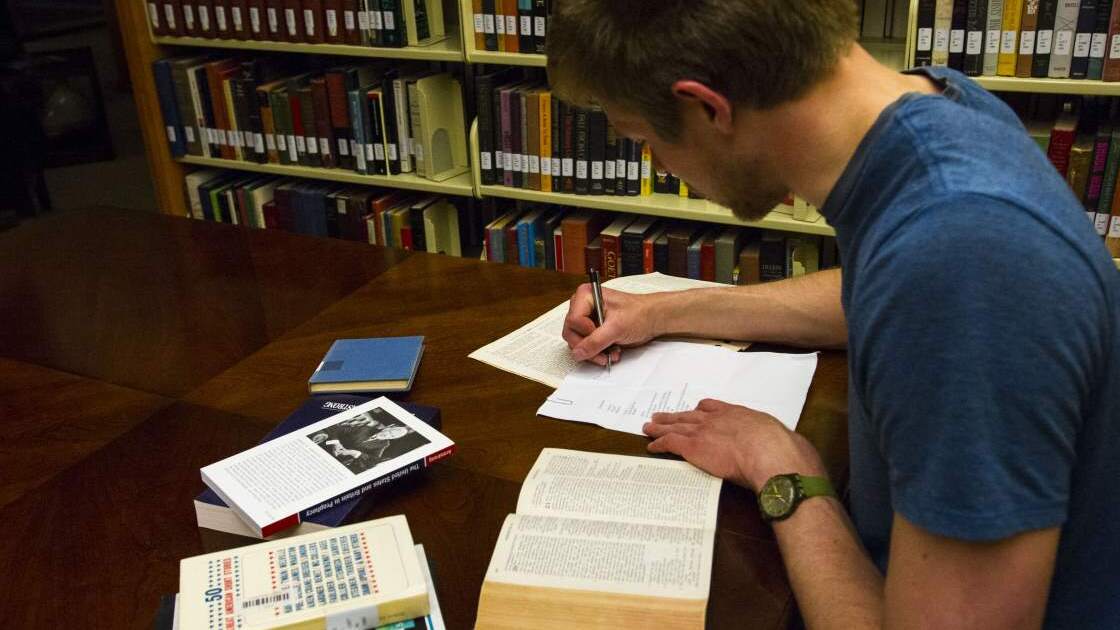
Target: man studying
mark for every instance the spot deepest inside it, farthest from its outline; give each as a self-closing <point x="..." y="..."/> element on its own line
<point x="979" y="309"/>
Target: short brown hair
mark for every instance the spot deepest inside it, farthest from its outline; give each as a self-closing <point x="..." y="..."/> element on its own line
<point x="757" y="53"/>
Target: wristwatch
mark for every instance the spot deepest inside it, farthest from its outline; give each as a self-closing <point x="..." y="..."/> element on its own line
<point x="781" y="494"/>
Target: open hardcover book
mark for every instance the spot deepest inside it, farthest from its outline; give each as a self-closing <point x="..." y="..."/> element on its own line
<point x="283" y="482"/>
<point x="358" y="576"/>
<point x="604" y="541"/>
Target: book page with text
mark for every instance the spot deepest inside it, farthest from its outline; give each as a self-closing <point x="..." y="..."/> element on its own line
<point x="641" y="490"/>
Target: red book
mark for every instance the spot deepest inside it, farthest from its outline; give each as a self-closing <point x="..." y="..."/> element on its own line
<point x="340" y="118"/>
<point x="1061" y="139"/>
<point x="323" y="129"/>
<point x="204" y="15"/>
<point x="293" y="21"/>
<point x="558" y="244"/>
<point x="216" y="73"/>
<point x="239" y="19"/>
<point x="333" y="33"/>
<point x="1111" y="70"/>
<point x="611" y="243"/>
<point x="708" y="257"/>
<point x="313" y="21"/>
<point x="270" y="215"/>
<point x="349" y="23"/>
<point x="222" y="25"/>
<point x="258" y="20"/>
<point x="593" y="254"/>
<point x="406" y="232"/>
<point x="513" y="255"/>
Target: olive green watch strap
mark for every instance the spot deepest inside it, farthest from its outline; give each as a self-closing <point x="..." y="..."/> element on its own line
<point x="816" y="487"/>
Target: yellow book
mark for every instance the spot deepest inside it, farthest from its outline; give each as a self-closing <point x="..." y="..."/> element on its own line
<point x="361" y="575"/>
<point x="684" y="190"/>
<point x="942" y="25"/>
<point x="647" y="171"/>
<point x="634" y="559"/>
<point x="545" y="125"/>
<point x="1009" y="40"/>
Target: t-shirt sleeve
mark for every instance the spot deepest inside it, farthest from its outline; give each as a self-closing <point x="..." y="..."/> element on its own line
<point x="977" y="369"/>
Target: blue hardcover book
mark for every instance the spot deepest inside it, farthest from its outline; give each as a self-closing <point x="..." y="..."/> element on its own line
<point x="382" y="364"/>
<point x="165" y="90"/>
<point x="213" y="513"/>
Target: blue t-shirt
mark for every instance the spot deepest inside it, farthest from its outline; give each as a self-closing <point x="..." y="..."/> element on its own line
<point x="983" y="341"/>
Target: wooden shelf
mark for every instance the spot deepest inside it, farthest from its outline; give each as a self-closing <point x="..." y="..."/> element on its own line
<point x="1049" y="86"/>
<point x="662" y="206"/>
<point x="458" y="185"/>
<point x="447" y="50"/>
<point x="507" y="59"/>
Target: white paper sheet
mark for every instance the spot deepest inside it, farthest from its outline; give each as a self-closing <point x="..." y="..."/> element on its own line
<point x="539" y="353"/>
<point x="673" y="376"/>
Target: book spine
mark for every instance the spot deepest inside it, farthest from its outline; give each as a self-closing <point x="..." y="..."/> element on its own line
<point x="404" y="135"/>
<point x="1044" y="39"/>
<point x="632" y="255"/>
<point x="239" y="19"/>
<point x="1065" y="28"/>
<point x="646" y="171"/>
<point x="509" y="9"/>
<point x="1028" y="28"/>
<point x="484" y="87"/>
<point x="323" y="128"/>
<point x="393" y="142"/>
<point x="350" y="33"/>
<point x="544" y="135"/>
<point x="531" y="139"/>
<point x="708" y="260"/>
<point x="582" y="151"/>
<point x="568" y="159"/>
<point x="190" y="18"/>
<point x="974" y="37"/>
<point x="525" y="41"/>
<point x="992" y="37"/>
<point x="611" y="250"/>
<point x="489" y="25"/>
<point x="596" y="150"/>
<point x="1096" y="173"/>
<point x="1083" y="41"/>
<point x="340" y="118"/>
<point x="333" y="33"/>
<point x="155" y="19"/>
<point x="293" y="21"/>
<point x="392" y="33"/>
<point x="942" y="25"/>
<point x="1111" y="66"/>
<point x="204" y="16"/>
<point x="556" y="141"/>
<point x="478" y="25"/>
<point x="622" y="154"/>
<point x="957" y="34"/>
<point x="520" y="123"/>
<point x="507" y="136"/>
<point x="222" y="28"/>
<point x="282" y="122"/>
<point x="1009" y="40"/>
<point x="415" y="122"/>
<point x="540" y="26"/>
<point x="173" y="17"/>
<point x="1099" y="42"/>
<point x="312" y="21"/>
<point x="274" y="20"/>
<point x="923" y="42"/>
<point x="258" y="29"/>
<point x="1108" y="188"/>
<point x="165" y="90"/>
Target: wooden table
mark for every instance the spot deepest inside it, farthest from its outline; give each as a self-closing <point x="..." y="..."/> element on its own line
<point x="136" y="348"/>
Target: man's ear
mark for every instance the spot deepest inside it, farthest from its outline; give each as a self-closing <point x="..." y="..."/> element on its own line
<point x="716" y="106"/>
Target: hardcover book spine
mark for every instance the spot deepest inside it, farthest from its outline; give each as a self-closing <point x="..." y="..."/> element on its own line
<point x="557" y="142"/>
<point x="957" y="34"/>
<point x="393" y="142"/>
<point x="942" y="27"/>
<point x="647" y="171"/>
<point x="239" y="19"/>
<point x="393" y="26"/>
<point x="1008" y="46"/>
<point x="611" y="252"/>
<point x="258" y="27"/>
<point x="1083" y="41"/>
<point x="1028" y="27"/>
<point x="532" y="139"/>
<point x="190" y="19"/>
<point x="661" y="255"/>
<point x="1108" y="188"/>
<point x="313" y="21"/>
<point x="1099" y="43"/>
<point x="165" y="90"/>
<point x="484" y="87"/>
<point x="632" y="255"/>
<point x="525" y="41"/>
<point x="540" y="25"/>
<point x="185" y="106"/>
<point x="478" y="25"/>
<point x="507" y="136"/>
<point x="622" y="151"/>
<point x="340" y="119"/>
<point x="568" y="161"/>
<point x="992" y="37"/>
<point x="293" y="21"/>
<point x="204" y="16"/>
<point x="1065" y="28"/>
<point x="489" y="25"/>
<point x="173" y="17"/>
<point x="282" y="121"/>
<point x="155" y="19"/>
<point x="222" y="26"/>
<point x="509" y="9"/>
<point x="1096" y="178"/>
<point x="596" y="150"/>
<point x="352" y="35"/>
<point x="417" y="126"/>
<point x="1111" y="71"/>
<point x="521" y="137"/>
<point x="582" y="152"/>
<point x="274" y="20"/>
<point x="379" y="155"/>
<point x="708" y="260"/>
<point x="404" y="134"/>
<point x="333" y="33"/>
<point x="544" y="136"/>
<point x="323" y="126"/>
<point x="1044" y="40"/>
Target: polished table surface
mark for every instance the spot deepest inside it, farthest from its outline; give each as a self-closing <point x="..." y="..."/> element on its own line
<point x="136" y="348"/>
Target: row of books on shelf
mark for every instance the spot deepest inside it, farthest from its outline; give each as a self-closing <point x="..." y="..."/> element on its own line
<point x="389" y="23"/>
<point x="370" y="118"/>
<point x="1057" y="39"/>
<point x="512" y="26"/>
<point x="576" y="240"/>
<point x="1081" y="136"/>
<point x="530" y="139"/>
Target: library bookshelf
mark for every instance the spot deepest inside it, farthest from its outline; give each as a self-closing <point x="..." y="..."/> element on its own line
<point x="447" y="50"/>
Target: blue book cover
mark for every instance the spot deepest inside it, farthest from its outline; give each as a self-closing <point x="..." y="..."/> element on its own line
<point x="315" y="409"/>
<point x="165" y="90"/>
<point x="382" y="364"/>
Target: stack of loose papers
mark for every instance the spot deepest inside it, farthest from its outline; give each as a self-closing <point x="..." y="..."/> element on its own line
<point x="668" y="376"/>
<point x="538" y="351"/>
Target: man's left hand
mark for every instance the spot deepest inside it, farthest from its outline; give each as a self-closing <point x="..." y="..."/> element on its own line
<point x="733" y="442"/>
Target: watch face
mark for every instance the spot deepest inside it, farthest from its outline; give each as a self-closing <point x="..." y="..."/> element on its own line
<point x="777" y="497"/>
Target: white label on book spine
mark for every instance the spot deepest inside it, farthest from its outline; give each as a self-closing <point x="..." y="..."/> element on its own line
<point x="556" y="167"/>
<point x="301" y="144"/>
<point x="348" y="18"/>
<point x="499" y="161"/>
<point x="273" y="21"/>
<point x="376" y="22"/>
<point x="975" y="43"/>
<point x="370" y="152"/>
<point x="290" y="18"/>
<point x="258" y="142"/>
<point x="941" y="39"/>
<point x="1082" y="44"/>
<point x="324" y="146"/>
<point x="1092" y="217"/>
<point x="220" y="18"/>
<point x="484" y="159"/>
<point x="524" y="163"/>
<point x="526" y="26"/>
<point x="281" y="143"/>
<point x="620" y="168"/>
<point x="546" y="165"/>
<point x="238" y="139"/>
<point x="171" y="133"/>
<point x="1044" y="43"/>
<point x="419" y="148"/>
<point x="534" y="164"/>
<point x="500" y="27"/>
<point x="312" y="145"/>
<point x="991" y="46"/>
<point x="379" y="151"/>
<point x="581" y="169"/>
<point x="479" y="26"/>
<point x="255" y="20"/>
<point x="343" y="147"/>
<point x="632" y="171"/>
<point x="1007" y="46"/>
<point x="190" y="134"/>
<point x="153" y="14"/>
<point x="608" y="169"/>
<point x="1026" y="43"/>
<point x="393" y="152"/>
<point x="204" y="17"/>
<point x="332" y="22"/>
<point x="208" y="133"/>
<point x="511" y="25"/>
<point x="507" y="161"/>
<point x="270" y="141"/>
<point x="1063" y="43"/>
<point x="409" y="145"/>
<point x="925" y="39"/>
<point x="354" y="148"/>
<point x="1114" y="50"/>
<point x="1096" y="49"/>
<point x="956" y="41"/>
<point x="515" y="162"/>
<point x="646" y="169"/>
<point x="188" y="16"/>
<point x="309" y="22"/>
<point x="567" y="167"/>
<point x="539" y="22"/>
<point x="597" y="170"/>
<point x="363" y="20"/>
<point x="390" y="25"/>
<point x="361" y="157"/>
<point x="169" y="13"/>
<point x="237" y="22"/>
<point x="1114" y="228"/>
<point x="1102" y="223"/>
<point x="488" y="23"/>
<point x="223" y="139"/>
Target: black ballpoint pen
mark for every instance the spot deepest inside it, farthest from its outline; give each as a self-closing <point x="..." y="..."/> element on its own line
<point x="600" y="312"/>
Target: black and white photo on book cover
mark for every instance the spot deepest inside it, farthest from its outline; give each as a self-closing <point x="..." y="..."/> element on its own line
<point x="364" y="440"/>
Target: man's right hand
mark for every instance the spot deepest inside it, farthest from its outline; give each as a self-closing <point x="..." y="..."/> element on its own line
<point x="630" y="322"/>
